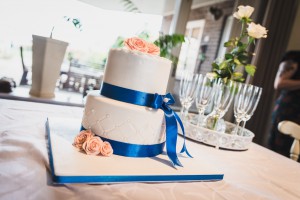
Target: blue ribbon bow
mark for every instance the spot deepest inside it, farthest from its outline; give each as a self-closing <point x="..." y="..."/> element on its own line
<point x="154" y="101"/>
<point x="163" y="102"/>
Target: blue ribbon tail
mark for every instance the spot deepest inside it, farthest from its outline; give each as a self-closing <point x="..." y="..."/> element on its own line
<point x="171" y="138"/>
<point x="184" y="149"/>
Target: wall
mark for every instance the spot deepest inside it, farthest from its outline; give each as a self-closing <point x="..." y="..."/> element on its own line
<point x="213" y="29"/>
<point x="294" y="41"/>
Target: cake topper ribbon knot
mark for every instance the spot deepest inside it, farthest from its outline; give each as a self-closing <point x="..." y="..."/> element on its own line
<point x="156" y="101"/>
<point x="160" y="100"/>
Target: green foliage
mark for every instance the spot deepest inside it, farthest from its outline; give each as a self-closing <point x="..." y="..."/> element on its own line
<point x="75" y="21"/>
<point x="119" y="42"/>
<point x="237" y="58"/>
<point x="250" y="69"/>
<point x="166" y="43"/>
<point x="130" y="6"/>
<point x="144" y="35"/>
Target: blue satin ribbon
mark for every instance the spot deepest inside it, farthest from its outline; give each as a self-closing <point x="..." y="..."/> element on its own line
<point x="133" y="150"/>
<point x="154" y="101"/>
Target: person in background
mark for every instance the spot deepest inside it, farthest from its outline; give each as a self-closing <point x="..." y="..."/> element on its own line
<point x="287" y="106"/>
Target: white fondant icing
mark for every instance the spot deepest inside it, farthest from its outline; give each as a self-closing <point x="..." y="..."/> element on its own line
<point x="137" y="71"/>
<point x="125" y="122"/>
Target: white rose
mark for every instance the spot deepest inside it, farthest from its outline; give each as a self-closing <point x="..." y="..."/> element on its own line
<point x="244" y="11"/>
<point x="256" y="31"/>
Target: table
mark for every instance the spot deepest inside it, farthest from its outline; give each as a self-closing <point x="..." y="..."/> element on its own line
<point x="257" y="173"/>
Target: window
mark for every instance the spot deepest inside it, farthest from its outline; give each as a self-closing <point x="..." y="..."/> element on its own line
<point x="190" y="49"/>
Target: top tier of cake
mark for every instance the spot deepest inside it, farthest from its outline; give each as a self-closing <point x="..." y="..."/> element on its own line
<point x="137" y="71"/>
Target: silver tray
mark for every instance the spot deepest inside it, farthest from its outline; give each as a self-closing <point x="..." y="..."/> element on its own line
<point x="218" y="139"/>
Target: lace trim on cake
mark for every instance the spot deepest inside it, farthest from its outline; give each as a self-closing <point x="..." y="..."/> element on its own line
<point x="105" y="126"/>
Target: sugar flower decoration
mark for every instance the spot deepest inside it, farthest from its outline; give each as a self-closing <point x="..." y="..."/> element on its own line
<point x="92" y="146"/>
<point x="138" y="44"/>
<point x="87" y="142"/>
<point x="153" y="49"/>
<point x="106" y="149"/>
<point x="81" y="138"/>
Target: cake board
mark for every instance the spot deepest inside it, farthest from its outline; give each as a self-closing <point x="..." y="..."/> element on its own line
<point x="68" y="165"/>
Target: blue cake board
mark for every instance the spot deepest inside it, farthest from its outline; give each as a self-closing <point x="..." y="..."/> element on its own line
<point x="68" y="165"/>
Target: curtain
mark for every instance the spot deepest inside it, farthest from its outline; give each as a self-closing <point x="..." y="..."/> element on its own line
<point x="277" y="17"/>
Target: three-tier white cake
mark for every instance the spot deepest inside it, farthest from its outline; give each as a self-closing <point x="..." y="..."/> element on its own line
<point x="126" y="122"/>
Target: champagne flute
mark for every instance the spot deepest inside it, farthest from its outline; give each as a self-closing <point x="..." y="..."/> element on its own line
<point x="187" y="91"/>
<point x="222" y="100"/>
<point x="255" y="97"/>
<point x="245" y="103"/>
<point x="241" y="103"/>
<point x="204" y="95"/>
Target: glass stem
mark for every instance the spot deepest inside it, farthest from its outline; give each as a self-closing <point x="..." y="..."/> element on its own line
<point x="243" y="128"/>
<point x="200" y="117"/>
<point x="236" y="128"/>
<point x="181" y="111"/>
<point x="184" y="112"/>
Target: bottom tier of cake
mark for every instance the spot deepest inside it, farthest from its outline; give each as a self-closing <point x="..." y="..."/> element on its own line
<point x="123" y="122"/>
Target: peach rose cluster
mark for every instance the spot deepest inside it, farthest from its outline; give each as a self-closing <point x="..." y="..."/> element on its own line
<point x="92" y="145"/>
<point x="138" y="44"/>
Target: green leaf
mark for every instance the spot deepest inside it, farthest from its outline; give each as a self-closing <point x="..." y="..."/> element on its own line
<point x="236" y="61"/>
<point x="239" y="79"/>
<point x="243" y="58"/>
<point x="235" y="51"/>
<point x="228" y="56"/>
<point x="250" y="69"/>
<point x="223" y="65"/>
<point x="244" y="46"/>
<point x="228" y="44"/>
<point x="215" y="65"/>
<point x="237" y="75"/>
<point x="239" y="44"/>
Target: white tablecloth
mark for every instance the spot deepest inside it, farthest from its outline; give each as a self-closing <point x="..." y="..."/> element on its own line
<point x="24" y="167"/>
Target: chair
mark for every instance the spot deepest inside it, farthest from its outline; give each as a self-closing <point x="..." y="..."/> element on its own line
<point x="292" y="129"/>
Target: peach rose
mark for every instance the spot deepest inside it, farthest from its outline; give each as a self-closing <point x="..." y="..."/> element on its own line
<point x="137" y="44"/>
<point x="153" y="49"/>
<point x="106" y="149"/>
<point x="92" y="146"/>
<point x="81" y="138"/>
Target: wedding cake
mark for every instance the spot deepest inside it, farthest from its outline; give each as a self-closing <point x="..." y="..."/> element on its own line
<point x="126" y="123"/>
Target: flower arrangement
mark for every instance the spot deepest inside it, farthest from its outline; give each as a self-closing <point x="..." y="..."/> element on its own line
<point x="92" y="145"/>
<point x="238" y="56"/>
<point x="138" y="44"/>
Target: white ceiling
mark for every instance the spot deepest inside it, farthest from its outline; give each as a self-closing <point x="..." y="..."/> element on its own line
<point x="145" y="6"/>
<point x="158" y="7"/>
